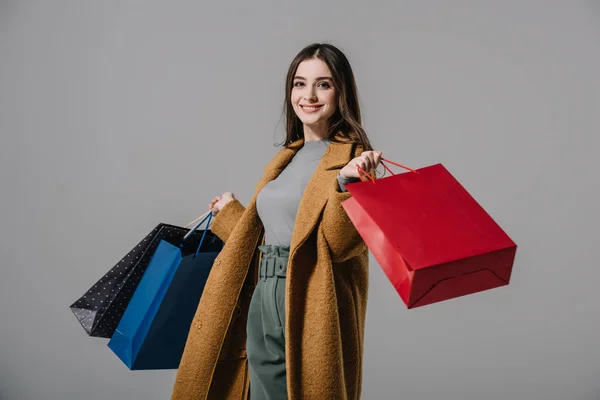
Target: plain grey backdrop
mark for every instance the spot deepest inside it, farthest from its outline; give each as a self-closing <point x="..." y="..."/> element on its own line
<point x="118" y="115"/>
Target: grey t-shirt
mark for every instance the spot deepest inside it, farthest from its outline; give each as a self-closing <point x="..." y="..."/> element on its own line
<point x="277" y="203"/>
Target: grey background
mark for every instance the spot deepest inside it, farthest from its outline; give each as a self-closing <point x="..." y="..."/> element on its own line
<point x="117" y="115"/>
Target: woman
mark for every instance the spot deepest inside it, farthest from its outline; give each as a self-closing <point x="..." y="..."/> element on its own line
<point x="282" y="314"/>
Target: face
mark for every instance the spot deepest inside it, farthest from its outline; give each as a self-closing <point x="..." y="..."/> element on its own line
<point x="314" y="98"/>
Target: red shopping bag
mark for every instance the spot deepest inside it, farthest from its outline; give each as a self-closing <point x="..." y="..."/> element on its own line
<point x="432" y="239"/>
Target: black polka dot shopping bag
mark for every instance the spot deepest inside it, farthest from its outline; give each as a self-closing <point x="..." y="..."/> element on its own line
<point x="100" y="309"/>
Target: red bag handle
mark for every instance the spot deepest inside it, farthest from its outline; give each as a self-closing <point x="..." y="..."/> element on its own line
<point x="362" y="171"/>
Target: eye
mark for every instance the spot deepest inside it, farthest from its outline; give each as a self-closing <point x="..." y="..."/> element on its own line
<point x="325" y="84"/>
<point x="298" y="83"/>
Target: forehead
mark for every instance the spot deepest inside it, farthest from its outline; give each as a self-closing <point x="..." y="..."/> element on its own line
<point x="313" y="68"/>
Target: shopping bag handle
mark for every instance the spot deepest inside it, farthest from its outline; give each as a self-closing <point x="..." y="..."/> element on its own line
<point x="399" y="165"/>
<point x="198" y="219"/>
<point x="203" y="218"/>
<point x="207" y="217"/>
<point x="362" y="171"/>
<point x="203" y="234"/>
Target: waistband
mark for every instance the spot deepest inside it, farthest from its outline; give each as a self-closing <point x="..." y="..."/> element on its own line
<point x="272" y="249"/>
<point x="273" y="262"/>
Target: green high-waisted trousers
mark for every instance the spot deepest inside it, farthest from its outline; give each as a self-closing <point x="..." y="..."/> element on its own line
<point x="265" y="342"/>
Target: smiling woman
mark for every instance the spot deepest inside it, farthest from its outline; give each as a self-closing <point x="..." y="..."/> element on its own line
<point x="313" y="97"/>
<point x="283" y="312"/>
<point x="321" y="75"/>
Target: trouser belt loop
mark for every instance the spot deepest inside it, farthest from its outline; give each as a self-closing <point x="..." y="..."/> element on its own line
<point x="273" y="266"/>
<point x="273" y="262"/>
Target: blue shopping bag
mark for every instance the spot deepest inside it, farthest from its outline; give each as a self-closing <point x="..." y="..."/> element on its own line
<point x="154" y="328"/>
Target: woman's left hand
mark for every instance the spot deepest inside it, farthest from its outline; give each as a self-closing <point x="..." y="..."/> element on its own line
<point x="368" y="161"/>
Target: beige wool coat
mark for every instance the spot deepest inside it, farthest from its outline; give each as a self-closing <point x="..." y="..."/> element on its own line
<point x="326" y="295"/>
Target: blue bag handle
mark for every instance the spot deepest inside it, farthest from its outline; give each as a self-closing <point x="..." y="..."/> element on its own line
<point x="194" y="229"/>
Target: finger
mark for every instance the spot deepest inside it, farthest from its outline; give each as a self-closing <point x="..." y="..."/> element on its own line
<point x="362" y="163"/>
<point x="377" y="157"/>
<point x="372" y="159"/>
<point x="368" y="161"/>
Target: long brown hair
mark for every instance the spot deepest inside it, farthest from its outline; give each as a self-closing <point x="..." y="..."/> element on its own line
<point x="345" y="124"/>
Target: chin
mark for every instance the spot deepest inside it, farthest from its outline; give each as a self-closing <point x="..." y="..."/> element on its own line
<point x="310" y="121"/>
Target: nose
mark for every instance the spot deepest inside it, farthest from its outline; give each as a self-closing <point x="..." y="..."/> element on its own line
<point x="310" y="95"/>
<point x="310" y="98"/>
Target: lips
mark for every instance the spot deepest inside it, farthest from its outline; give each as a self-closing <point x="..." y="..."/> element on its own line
<point x="310" y="109"/>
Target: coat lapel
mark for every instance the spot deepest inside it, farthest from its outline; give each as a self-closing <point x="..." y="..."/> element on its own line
<point x="315" y="195"/>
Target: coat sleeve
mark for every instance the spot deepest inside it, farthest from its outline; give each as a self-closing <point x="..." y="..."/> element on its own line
<point x="344" y="240"/>
<point x="341" y="235"/>
<point x="226" y="219"/>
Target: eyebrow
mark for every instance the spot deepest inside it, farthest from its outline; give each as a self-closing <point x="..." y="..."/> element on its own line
<point x="318" y="79"/>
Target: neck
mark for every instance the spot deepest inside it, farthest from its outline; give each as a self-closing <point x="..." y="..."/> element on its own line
<point x="315" y="132"/>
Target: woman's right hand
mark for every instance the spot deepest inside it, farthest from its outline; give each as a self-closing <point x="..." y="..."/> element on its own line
<point x="219" y="202"/>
